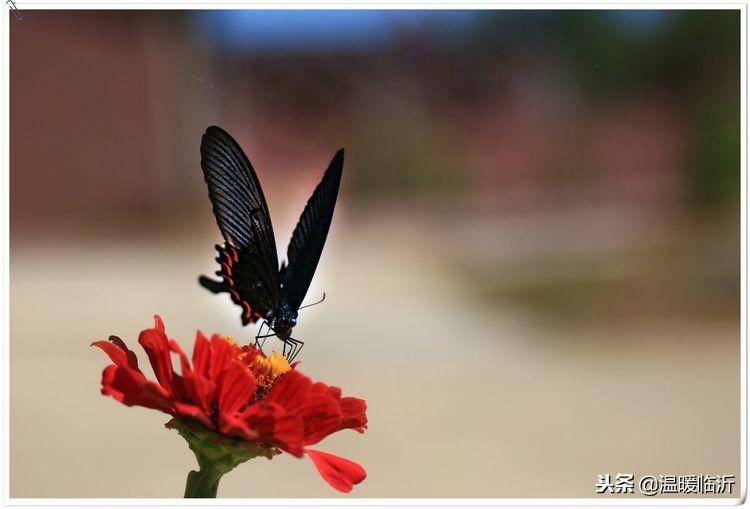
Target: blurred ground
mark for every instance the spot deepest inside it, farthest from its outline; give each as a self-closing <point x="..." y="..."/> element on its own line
<point x="461" y="404"/>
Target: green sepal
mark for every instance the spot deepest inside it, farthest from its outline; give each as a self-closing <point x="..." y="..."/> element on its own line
<point x="216" y="454"/>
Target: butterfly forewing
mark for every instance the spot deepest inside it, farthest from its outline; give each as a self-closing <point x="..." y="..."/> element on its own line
<point x="310" y="234"/>
<point x="249" y="261"/>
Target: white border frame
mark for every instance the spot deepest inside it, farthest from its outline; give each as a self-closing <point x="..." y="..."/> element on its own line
<point x="24" y="5"/>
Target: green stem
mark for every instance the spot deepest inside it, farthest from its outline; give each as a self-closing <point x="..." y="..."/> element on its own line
<point x="216" y="455"/>
<point x="203" y="483"/>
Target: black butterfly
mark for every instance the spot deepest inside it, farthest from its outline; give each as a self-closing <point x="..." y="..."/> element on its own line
<point x="250" y="270"/>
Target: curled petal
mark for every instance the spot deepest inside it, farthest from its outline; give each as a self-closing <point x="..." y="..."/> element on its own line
<point x="119" y="353"/>
<point x="125" y="382"/>
<point x="156" y="344"/>
<point x="131" y="388"/>
<point x="339" y="472"/>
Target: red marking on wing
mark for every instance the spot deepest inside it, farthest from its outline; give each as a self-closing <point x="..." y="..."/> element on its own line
<point x="228" y="256"/>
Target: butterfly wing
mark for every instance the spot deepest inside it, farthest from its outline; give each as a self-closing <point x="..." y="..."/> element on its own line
<point x="310" y="234"/>
<point x="249" y="264"/>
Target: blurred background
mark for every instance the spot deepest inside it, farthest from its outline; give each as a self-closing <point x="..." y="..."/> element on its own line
<point x="532" y="274"/>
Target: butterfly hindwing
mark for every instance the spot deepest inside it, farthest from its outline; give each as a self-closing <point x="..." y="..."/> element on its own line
<point x="248" y="260"/>
<point x="310" y="234"/>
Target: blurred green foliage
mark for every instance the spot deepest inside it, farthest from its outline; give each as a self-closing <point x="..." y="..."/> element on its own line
<point x="691" y="57"/>
<point x="695" y="59"/>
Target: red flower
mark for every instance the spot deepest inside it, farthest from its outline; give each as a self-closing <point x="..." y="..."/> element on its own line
<point x="238" y="391"/>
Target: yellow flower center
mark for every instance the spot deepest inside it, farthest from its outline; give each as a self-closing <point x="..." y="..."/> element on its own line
<point x="265" y="368"/>
<point x="275" y="364"/>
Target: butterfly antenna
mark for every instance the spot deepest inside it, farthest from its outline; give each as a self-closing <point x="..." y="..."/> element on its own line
<point x="315" y="303"/>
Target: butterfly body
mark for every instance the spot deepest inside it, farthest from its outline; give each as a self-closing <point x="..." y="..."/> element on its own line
<point x="284" y="322"/>
<point x="248" y="264"/>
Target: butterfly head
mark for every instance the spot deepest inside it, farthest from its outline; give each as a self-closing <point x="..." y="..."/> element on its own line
<point x="285" y="322"/>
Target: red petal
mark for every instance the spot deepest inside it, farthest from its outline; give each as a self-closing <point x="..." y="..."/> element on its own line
<point x="340" y="473"/>
<point x="126" y="383"/>
<point x="326" y="389"/>
<point x="276" y="427"/>
<point x="297" y="394"/>
<point x="290" y="390"/>
<point x="159" y="323"/>
<point x="155" y="342"/>
<point x="288" y="430"/>
<point x="222" y="353"/>
<point x="117" y="351"/>
<point x="235" y="426"/>
<point x="201" y="355"/>
<point x="354" y="412"/>
<point x="199" y="389"/>
<point x="116" y="382"/>
<point x="237" y="387"/>
<point x="321" y="415"/>
<point x="131" y="388"/>
<point x="194" y="412"/>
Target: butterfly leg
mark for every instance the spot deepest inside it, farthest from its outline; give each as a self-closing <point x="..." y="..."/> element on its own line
<point x="299" y="344"/>
<point x="262" y="343"/>
<point x="296" y="347"/>
<point x="259" y="344"/>
<point x="288" y="347"/>
<point x="258" y="336"/>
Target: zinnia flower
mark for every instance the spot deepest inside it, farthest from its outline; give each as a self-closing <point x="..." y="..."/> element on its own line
<point x="232" y="403"/>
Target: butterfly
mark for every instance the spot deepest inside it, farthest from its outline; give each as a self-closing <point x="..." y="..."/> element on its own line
<point x="249" y="266"/>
